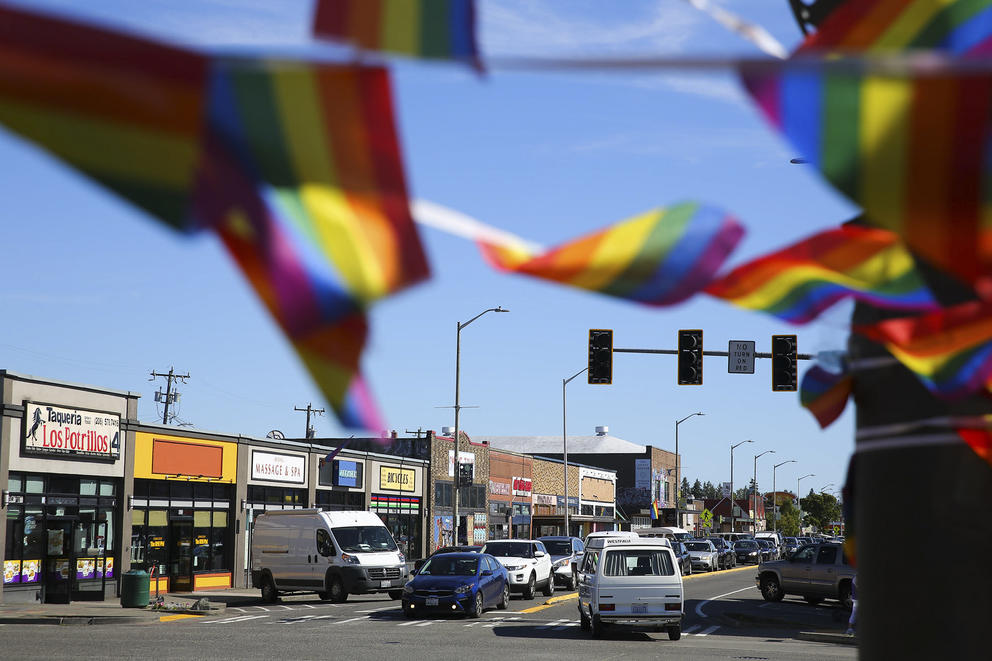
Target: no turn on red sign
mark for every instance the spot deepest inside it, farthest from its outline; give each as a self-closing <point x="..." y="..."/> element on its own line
<point x="740" y="357"/>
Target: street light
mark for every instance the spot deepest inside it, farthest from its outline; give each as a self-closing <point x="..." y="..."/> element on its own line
<point x="754" y="490"/>
<point x="564" y="439"/>
<point x="799" y="502"/>
<point x="774" y="501"/>
<point x="458" y="460"/>
<point x="678" y="479"/>
<point x="732" y="523"/>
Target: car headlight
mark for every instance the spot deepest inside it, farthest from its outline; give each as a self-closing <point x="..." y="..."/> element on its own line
<point x="350" y="559"/>
<point x="408" y="588"/>
<point x="514" y="567"/>
<point x="463" y="589"/>
<point x="402" y="557"/>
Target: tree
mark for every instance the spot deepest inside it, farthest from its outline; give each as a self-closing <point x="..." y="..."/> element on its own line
<point x="686" y="491"/>
<point x="788" y="519"/>
<point x="710" y="491"/>
<point x="819" y="509"/>
<point x="697" y="489"/>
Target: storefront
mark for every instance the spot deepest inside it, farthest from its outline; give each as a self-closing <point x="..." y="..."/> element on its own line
<point x="183" y="521"/>
<point x="62" y="466"/>
<point x="341" y="485"/>
<point x="473" y="511"/>
<point x="397" y="497"/>
<point x="597" y="500"/>
<point x="510" y="491"/>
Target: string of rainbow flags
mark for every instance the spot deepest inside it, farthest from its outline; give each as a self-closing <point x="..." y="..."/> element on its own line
<point x="297" y="168"/>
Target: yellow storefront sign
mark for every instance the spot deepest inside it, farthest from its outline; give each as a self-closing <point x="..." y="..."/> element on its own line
<point x="397" y="479"/>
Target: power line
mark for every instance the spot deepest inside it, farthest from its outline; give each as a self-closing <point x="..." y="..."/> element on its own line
<point x="168" y="396"/>
<point x="309" y="409"/>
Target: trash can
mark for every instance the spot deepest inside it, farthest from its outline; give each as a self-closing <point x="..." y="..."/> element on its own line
<point x="134" y="589"/>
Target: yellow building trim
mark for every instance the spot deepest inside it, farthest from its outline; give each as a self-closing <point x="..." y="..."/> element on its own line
<point x="211" y="581"/>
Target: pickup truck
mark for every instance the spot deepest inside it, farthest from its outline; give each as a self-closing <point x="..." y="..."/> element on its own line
<point x="815" y="572"/>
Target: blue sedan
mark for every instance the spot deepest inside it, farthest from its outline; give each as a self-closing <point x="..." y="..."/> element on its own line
<point x="465" y="583"/>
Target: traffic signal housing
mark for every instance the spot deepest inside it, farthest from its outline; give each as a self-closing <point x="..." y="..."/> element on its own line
<point x="465" y="471"/>
<point x="784" y="363"/>
<point x="600" y="356"/>
<point x="690" y="357"/>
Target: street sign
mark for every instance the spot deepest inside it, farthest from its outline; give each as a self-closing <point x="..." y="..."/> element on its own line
<point x="706" y="517"/>
<point x="740" y="357"/>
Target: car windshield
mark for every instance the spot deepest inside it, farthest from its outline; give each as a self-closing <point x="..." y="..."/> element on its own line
<point x="510" y="549"/>
<point x="447" y="565"/>
<point x="746" y="546"/>
<point x="558" y="546"/>
<point x="697" y="546"/>
<point x="790" y="540"/>
<point x="364" y="539"/>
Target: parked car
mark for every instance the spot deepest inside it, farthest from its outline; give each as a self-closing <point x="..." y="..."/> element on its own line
<point x="528" y="563"/>
<point x="466" y="583"/>
<point x="768" y="550"/>
<point x="815" y="572"/>
<point x="566" y="554"/>
<point x="704" y="554"/>
<point x="682" y="557"/>
<point x="417" y="564"/>
<point x="747" y="550"/>
<point x="630" y="582"/>
<point x="723" y="547"/>
<point x="791" y="545"/>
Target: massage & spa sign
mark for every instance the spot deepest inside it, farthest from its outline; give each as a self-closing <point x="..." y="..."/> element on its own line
<point x="54" y="430"/>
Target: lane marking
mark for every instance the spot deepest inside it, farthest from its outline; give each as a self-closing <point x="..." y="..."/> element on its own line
<point x="707" y="631"/>
<point x="379" y="610"/>
<point x="262" y="607"/>
<point x="241" y="610"/>
<point x="426" y="624"/>
<point x="173" y="618"/>
<point x="564" y="597"/>
<point x="240" y="618"/>
<point x="691" y="629"/>
<point x="406" y="624"/>
<point x="565" y="626"/>
<point x="287" y="608"/>
<point x="551" y="624"/>
<point x="354" y="619"/>
<point x="309" y="606"/>
<point x="699" y="606"/>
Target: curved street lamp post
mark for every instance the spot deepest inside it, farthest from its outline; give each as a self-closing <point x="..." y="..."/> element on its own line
<point x="774" y="493"/>
<point x="754" y="490"/>
<point x="678" y="475"/>
<point x="799" y="502"/>
<point x="732" y="517"/>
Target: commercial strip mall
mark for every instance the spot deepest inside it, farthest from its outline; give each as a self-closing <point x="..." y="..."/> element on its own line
<point x="90" y="492"/>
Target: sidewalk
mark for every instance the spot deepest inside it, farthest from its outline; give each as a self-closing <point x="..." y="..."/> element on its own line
<point x="110" y="611"/>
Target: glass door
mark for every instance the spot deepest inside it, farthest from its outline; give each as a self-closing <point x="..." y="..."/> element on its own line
<point x="181" y="556"/>
<point x="59" y="563"/>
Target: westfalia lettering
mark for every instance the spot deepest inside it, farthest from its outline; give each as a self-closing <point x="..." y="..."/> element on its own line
<point x="67" y="439"/>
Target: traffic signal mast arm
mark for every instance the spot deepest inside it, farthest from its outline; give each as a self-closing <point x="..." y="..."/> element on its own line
<point x="757" y="354"/>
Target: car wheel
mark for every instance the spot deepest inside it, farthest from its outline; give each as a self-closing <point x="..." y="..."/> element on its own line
<point x="770" y="589"/>
<point x="338" y="593"/>
<point x="324" y="596"/>
<point x="690" y="568"/>
<point x="584" y="623"/>
<point x="269" y="593"/>
<point x="597" y="627"/>
<point x="395" y="594"/>
<point x="674" y="632"/>
<point x="478" y="606"/>
<point x="549" y="589"/>
<point x="812" y="601"/>
<point x="573" y="581"/>
<point x="531" y="585"/>
<point x="504" y="601"/>
<point x="846" y="598"/>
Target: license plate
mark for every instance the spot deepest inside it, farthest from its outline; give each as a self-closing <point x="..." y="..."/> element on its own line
<point x="639" y="608"/>
<point x="385" y="584"/>
<point x="430" y="601"/>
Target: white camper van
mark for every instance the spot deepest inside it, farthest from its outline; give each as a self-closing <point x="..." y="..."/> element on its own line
<point x="331" y="553"/>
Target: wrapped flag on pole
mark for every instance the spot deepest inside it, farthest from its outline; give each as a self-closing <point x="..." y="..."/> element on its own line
<point x="825" y="393"/>
<point x="799" y="282"/>
<point x="661" y="257"/>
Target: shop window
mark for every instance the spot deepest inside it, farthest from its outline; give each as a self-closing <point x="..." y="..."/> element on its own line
<point x="202" y="491"/>
<point x="87" y="487"/>
<point x="442" y="494"/>
<point x="14" y="535"/>
<point x="137" y="518"/>
<point x="15" y="483"/>
<point x="218" y="540"/>
<point x="34" y="484"/>
<point x="141" y="488"/>
<point x="34" y="546"/>
<point x="158" y="489"/>
<point x="182" y="490"/>
<point x="63" y="484"/>
<point x="107" y="488"/>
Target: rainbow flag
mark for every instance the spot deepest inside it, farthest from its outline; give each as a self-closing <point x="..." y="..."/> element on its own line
<point x="979" y="440"/>
<point x="949" y="350"/>
<point x="825" y="394"/>
<point x="654" y="511"/>
<point x="658" y="258"/>
<point x="799" y="282"/>
<point x="960" y="27"/>
<point x="437" y="29"/>
<point x="910" y="149"/>
<point x="126" y="112"/>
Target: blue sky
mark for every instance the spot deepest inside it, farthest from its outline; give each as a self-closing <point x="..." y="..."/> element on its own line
<point x="97" y="293"/>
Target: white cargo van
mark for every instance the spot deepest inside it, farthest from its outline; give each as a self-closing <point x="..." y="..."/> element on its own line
<point x="632" y="581"/>
<point x="331" y="553"/>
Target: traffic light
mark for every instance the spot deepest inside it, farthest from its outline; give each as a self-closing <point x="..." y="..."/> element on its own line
<point x="600" y="356"/>
<point x="465" y="474"/>
<point x="690" y="357"/>
<point x="784" y="359"/>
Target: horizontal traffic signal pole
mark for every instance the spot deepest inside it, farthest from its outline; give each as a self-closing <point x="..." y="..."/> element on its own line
<point x="725" y="354"/>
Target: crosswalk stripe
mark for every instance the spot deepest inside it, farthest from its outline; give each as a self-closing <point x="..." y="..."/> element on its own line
<point x="378" y="610"/>
<point x="566" y="625"/>
<point x="556" y="622"/>
<point x="365" y="617"/>
<point x="426" y="624"/>
<point x="707" y="632"/>
<point x="309" y="606"/>
<point x="406" y="624"/>
<point x="691" y="629"/>
<point x="230" y="620"/>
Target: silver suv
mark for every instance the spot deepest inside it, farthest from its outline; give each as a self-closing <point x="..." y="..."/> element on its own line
<point x="815" y="572"/>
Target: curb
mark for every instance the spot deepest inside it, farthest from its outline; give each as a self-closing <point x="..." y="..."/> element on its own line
<point x="78" y="620"/>
<point x="822" y="637"/>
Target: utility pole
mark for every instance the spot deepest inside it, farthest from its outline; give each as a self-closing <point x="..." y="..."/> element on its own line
<point x="169" y="395"/>
<point x="309" y="409"/>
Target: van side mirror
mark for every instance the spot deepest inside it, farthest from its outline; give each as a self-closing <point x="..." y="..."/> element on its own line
<point x="539" y="554"/>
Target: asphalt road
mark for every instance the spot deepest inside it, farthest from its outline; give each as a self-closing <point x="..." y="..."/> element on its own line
<point x="726" y="618"/>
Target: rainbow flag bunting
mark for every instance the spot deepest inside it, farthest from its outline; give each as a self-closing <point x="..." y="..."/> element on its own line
<point x="979" y="440"/>
<point x="949" y="350"/>
<point x="296" y="166"/>
<point x="909" y="148"/>
<point x="799" y="282"/>
<point x="825" y="394"/>
<point x="659" y="258"/>
<point x="437" y="29"/>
